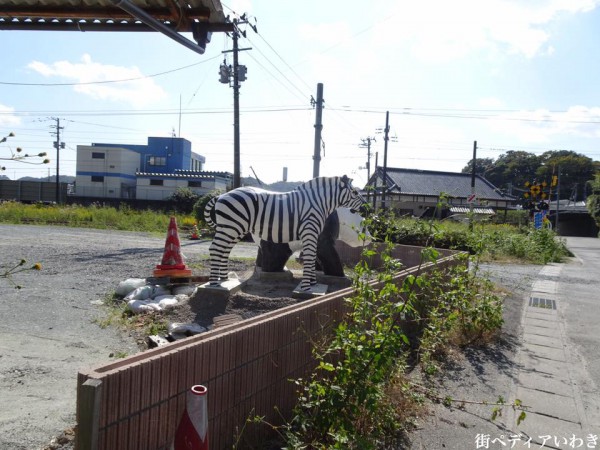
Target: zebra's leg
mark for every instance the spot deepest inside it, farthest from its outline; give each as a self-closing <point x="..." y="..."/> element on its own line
<point x="309" y="258"/>
<point x="219" y="251"/>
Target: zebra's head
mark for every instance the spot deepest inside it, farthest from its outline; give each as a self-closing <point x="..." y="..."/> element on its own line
<point x="350" y="197"/>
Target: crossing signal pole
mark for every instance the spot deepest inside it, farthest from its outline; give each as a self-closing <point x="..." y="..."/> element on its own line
<point x="233" y="75"/>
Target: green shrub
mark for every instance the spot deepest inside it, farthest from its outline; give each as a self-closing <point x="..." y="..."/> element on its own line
<point x="491" y="241"/>
<point x="356" y="397"/>
<point x="183" y="200"/>
<point x="198" y="210"/>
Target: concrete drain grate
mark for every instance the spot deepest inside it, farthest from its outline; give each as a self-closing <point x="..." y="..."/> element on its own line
<point x="545" y="303"/>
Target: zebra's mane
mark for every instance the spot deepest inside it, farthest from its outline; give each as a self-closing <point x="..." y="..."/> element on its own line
<point x="316" y="183"/>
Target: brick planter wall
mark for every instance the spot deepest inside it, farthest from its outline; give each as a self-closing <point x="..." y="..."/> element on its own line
<point x="136" y="403"/>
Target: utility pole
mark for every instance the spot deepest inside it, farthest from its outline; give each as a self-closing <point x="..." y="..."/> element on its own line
<point x="233" y="76"/>
<point x="385" y="152"/>
<point x="472" y="186"/>
<point x="366" y="143"/>
<point x="557" y="201"/>
<point x="375" y="183"/>
<point x="57" y="145"/>
<point x="318" y="105"/>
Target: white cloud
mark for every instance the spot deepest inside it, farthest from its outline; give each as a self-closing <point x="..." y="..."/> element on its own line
<point x="441" y="31"/>
<point x="542" y="125"/>
<point x="138" y="92"/>
<point x="492" y="103"/>
<point x="326" y="34"/>
<point x="7" y="119"/>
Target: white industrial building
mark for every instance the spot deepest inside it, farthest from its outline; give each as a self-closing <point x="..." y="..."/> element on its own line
<point x="107" y="172"/>
<point x="160" y="186"/>
<point x="144" y="172"/>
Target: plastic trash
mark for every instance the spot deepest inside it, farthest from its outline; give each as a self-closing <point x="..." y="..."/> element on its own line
<point x="147" y="292"/>
<point x="141" y="293"/>
<point x="129" y="285"/>
<point x="186" y="328"/>
<point x="140" y="306"/>
<point x="166" y="301"/>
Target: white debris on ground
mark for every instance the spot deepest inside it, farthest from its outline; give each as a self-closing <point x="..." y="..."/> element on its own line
<point x="141" y="297"/>
<point x="188" y="329"/>
<point x="125" y="287"/>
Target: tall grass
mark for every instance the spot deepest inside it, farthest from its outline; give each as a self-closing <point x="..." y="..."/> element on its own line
<point x="100" y="217"/>
<point x="491" y="241"/>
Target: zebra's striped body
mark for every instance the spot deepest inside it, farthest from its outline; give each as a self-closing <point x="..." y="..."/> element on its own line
<point x="276" y="217"/>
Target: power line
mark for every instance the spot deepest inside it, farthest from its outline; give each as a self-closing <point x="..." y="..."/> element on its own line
<point x="10" y="83"/>
<point x="284" y="61"/>
<point x="276" y="79"/>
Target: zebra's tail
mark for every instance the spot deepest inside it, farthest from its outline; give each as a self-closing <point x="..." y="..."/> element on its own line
<point x="209" y="212"/>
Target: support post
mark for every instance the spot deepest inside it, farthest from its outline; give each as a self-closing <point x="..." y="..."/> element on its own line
<point x="556" y="228"/>
<point x="375" y="185"/>
<point x="88" y="415"/>
<point x="472" y="185"/>
<point x="385" y="152"/>
<point x="318" y="129"/>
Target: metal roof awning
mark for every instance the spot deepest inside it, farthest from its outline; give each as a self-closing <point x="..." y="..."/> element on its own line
<point x="170" y="17"/>
<point x="467" y="210"/>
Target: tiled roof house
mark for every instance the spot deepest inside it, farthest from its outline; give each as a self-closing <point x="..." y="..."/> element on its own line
<point x="417" y="192"/>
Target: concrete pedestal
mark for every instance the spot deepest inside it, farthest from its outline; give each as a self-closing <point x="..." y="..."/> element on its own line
<point x="285" y="275"/>
<point x="316" y="290"/>
<point x="215" y="298"/>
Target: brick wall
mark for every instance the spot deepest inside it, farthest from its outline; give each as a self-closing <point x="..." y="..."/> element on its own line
<point x="135" y="403"/>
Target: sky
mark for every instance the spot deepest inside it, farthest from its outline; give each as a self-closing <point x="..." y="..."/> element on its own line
<point x="510" y="75"/>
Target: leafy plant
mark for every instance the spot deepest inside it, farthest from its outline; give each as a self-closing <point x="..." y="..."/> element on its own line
<point x="183" y="200"/>
<point x="198" y="211"/>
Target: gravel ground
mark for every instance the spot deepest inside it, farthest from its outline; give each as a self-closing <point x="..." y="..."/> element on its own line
<point x="48" y="331"/>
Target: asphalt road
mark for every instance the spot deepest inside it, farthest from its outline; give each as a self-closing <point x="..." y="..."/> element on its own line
<point x="579" y="305"/>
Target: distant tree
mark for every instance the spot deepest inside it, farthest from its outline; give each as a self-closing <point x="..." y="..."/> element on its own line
<point x="575" y="171"/>
<point x="593" y="200"/>
<point x="519" y="168"/>
<point x="482" y="165"/>
<point x="514" y="167"/>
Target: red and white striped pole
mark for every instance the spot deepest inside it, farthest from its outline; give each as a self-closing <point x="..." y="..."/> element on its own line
<point x="192" y="432"/>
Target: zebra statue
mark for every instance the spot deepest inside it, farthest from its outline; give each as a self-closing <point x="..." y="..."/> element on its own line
<point x="276" y="217"/>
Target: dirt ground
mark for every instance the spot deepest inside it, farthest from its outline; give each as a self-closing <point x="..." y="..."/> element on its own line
<point x="256" y="296"/>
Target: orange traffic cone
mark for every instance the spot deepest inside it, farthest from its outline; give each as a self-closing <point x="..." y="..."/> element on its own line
<point x="192" y="432"/>
<point x="195" y="235"/>
<point x="172" y="263"/>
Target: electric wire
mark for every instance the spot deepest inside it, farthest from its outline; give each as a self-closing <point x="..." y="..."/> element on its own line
<point x="123" y="80"/>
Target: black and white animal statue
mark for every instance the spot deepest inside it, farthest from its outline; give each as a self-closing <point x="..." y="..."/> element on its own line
<point x="343" y="224"/>
<point x="279" y="217"/>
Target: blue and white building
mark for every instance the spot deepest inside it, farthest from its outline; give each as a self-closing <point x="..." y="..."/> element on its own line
<point x="147" y="172"/>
